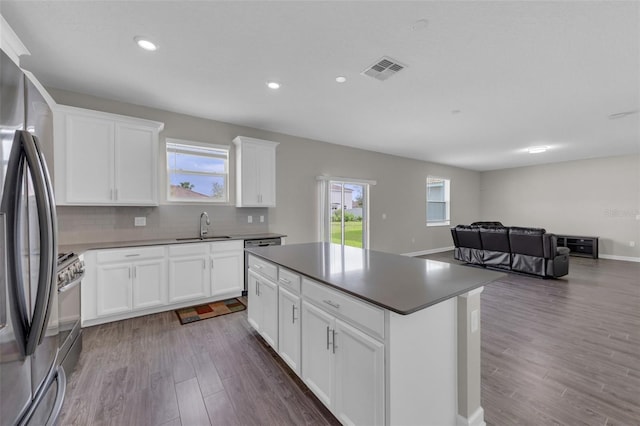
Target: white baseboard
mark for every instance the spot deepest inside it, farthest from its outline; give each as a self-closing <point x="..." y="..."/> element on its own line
<point x="623" y="258"/>
<point x="430" y="251"/>
<point x="476" y="419"/>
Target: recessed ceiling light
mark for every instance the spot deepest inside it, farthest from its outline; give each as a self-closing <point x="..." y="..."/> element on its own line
<point x="341" y="79"/>
<point x="273" y="85"/>
<point x="145" y="43"/>
<point x="537" y="149"/>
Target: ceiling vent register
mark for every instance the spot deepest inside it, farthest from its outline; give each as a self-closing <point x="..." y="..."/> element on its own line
<point x="384" y="68"/>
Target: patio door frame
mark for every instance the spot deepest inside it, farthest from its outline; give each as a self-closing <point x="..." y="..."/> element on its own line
<point x="324" y="203"/>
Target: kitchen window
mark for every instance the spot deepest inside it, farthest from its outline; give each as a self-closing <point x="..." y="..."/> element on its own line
<point x="438" y="205"/>
<point x="197" y="172"/>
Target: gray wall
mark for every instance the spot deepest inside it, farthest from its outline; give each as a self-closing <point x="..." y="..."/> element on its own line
<point x="599" y="197"/>
<point x="400" y="191"/>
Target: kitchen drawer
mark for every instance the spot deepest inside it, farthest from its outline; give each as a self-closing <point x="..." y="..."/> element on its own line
<point x="360" y="313"/>
<point x="219" y="246"/>
<point x="289" y="280"/>
<point x="264" y="268"/>
<point x="129" y="254"/>
<point x="196" y="249"/>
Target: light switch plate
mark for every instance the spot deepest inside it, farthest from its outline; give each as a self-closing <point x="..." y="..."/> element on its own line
<point x="249" y="219"/>
<point x="261" y="219"/>
<point x="140" y="221"/>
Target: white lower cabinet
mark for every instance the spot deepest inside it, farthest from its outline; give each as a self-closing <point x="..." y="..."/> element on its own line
<point x="263" y="308"/>
<point x="343" y="366"/>
<point x="149" y="283"/>
<point x="127" y="282"/>
<point x="289" y="318"/>
<point x="333" y="341"/>
<point x="189" y="272"/>
<point x="227" y="267"/>
<point x="359" y="377"/>
<point x="317" y="352"/>
<point x="129" y="279"/>
<point x="114" y="289"/>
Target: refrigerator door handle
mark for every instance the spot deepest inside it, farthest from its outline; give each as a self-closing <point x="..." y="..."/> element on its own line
<point x="62" y="389"/>
<point x="3" y="273"/>
<point x="11" y="200"/>
<point x="55" y="375"/>
<point x="48" y="239"/>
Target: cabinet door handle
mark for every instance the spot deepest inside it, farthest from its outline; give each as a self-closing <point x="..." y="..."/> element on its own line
<point x="257" y="266"/>
<point x="135" y="271"/>
<point x="116" y="191"/>
<point x="293" y="314"/>
<point x="330" y="303"/>
<point x="132" y="255"/>
<point x="211" y="263"/>
<point x="111" y="194"/>
<point x="129" y="272"/>
<point x="328" y="337"/>
<point x="258" y="288"/>
<point x="204" y="264"/>
<point x="333" y="332"/>
<point x="285" y="281"/>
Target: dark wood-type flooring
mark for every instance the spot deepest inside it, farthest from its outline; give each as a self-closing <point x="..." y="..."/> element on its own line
<point x="564" y="351"/>
<point x="561" y="351"/>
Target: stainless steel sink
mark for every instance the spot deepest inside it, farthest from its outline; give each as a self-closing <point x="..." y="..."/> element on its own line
<point x="208" y="238"/>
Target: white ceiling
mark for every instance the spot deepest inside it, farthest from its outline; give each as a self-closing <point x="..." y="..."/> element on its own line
<point x="519" y="73"/>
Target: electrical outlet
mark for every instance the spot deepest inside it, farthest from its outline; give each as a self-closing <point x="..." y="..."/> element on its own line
<point x="140" y="221"/>
<point x="474" y="320"/>
<point x="261" y="219"/>
<point x="249" y="219"/>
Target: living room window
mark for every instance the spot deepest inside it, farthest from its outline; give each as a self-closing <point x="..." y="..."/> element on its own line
<point x="438" y="206"/>
<point x="197" y="172"/>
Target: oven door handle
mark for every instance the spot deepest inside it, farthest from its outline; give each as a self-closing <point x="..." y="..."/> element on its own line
<point x="71" y="285"/>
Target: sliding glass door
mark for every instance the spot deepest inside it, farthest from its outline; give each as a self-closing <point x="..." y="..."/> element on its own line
<point x="345" y="213"/>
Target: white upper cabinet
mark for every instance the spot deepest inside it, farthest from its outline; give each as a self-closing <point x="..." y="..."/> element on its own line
<point x="105" y="159"/>
<point x="255" y="172"/>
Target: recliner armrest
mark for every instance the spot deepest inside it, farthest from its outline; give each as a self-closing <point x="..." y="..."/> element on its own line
<point x="562" y="250"/>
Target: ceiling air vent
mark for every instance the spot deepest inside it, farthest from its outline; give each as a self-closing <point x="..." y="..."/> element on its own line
<point x="383" y="69"/>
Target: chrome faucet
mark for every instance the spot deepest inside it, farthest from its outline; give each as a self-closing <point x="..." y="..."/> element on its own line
<point x="203" y="228"/>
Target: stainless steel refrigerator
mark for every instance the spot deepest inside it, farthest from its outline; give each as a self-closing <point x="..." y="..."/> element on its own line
<point x="32" y="386"/>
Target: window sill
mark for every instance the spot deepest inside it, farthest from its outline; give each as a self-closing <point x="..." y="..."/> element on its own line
<point x="434" y="224"/>
<point x="203" y="202"/>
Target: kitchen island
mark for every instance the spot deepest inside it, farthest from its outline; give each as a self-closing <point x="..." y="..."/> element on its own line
<point x="379" y="338"/>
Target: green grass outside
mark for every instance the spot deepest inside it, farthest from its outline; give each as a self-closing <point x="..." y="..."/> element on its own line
<point x="352" y="233"/>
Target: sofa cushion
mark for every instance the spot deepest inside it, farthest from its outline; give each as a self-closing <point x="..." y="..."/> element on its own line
<point x="487" y="224"/>
<point x="527" y="241"/>
<point x="468" y="236"/>
<point x="495" y="239"/>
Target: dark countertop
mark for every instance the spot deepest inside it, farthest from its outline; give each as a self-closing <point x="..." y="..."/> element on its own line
<point x="81" y="248"/>
<point x="398" y="283"/>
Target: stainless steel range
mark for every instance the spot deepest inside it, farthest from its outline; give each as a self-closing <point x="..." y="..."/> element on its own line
<point x="70" y="274"/>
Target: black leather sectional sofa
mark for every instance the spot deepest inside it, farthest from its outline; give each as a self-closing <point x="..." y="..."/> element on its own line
<point x="512" y="248"/>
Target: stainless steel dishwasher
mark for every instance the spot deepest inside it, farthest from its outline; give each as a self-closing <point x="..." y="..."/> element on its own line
<point x="263" y="242"/>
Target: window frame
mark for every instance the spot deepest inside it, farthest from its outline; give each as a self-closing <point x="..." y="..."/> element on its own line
<point x="447" y="201"/>
<point x="201" y="145"/>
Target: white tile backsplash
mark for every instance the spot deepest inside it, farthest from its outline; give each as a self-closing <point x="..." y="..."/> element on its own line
<point x="107" y="224"/>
